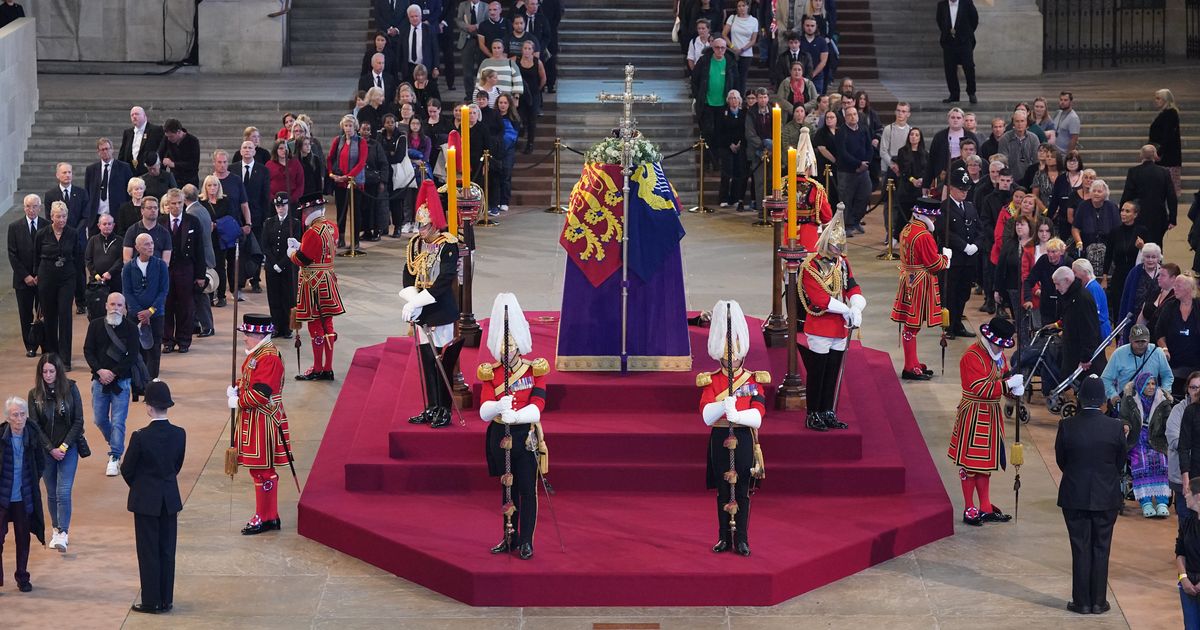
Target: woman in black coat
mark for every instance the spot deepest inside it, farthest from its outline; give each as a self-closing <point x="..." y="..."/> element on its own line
<point x="56" y="249"/>
<point x="912" y="159"/>
<point x="1080" y="331"/>
<point x="1121" y="252"/>
<point x="731" y="151"/>
<point x="1164" y="133"/>
<point x="56" y="407"/>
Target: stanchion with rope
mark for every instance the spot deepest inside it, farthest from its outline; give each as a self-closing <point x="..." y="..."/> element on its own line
<point x="764" y="219"/>
<point x="791" y="394"/>
<point x="485" y="219"/>
<point x="353" y="251"/>
<point x="775" y="329"/>
<point x="701" y="146"/>
<point x="469" y="205"/>
<point x="889" y="253"/>
<point x="557" y="208"/>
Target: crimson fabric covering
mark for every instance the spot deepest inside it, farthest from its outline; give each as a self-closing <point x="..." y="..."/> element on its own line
<point x="627" y="462"/>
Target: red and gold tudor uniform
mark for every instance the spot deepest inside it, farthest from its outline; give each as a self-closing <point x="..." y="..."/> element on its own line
<point x="511" y="402"/>
<point x="831" y="305"/>
<point x="746" y="409"/>
<point x="977" y="441"/>
<point x="918" y="299"/>
<point x="263" y="440"/>
<point x="317" y="297"/>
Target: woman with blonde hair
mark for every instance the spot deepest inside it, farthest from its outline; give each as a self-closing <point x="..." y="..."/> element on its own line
<point x="347" y="162"/>
<point x="130" y="212"/>
<point x="1164" y="134"/>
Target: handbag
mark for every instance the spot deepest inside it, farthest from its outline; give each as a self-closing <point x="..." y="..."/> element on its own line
<point x="81" y="444"/>
<point x="403" y="174"/>
<point x="37" y="330"/>
<point x="95" y="296"/>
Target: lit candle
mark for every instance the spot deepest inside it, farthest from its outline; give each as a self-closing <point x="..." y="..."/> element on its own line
<point x="791" y="207"/>
<point x="776" y="149"/>
<point x="452" y="189"/>
<point x="465" y="111"/>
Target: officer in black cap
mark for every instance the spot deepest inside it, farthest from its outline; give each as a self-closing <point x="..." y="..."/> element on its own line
<point x="962" y="237"/>
<point x="281" y="271"/>
<point x="1090" y="450"/>
<point x="150" y="467"/>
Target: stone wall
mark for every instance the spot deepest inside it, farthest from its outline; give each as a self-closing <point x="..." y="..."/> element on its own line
<point x="1009" y="39"/>
<point x="113" y="30"/>
<point x="236" y="36"/>
<point x="18" y="100"/>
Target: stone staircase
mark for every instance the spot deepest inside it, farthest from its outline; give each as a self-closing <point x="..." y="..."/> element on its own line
<point x="331" y="34"/>
<point x="856" y="39"/>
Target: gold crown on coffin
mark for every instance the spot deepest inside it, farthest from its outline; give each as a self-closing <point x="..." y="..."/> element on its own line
<point x="834" y="234"/>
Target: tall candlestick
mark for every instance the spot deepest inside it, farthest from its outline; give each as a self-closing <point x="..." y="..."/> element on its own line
<point x="465" y="111"/>
<point x="791" y="208"/>
<point x="776" y="148"/>
<point x="452" y="189"/>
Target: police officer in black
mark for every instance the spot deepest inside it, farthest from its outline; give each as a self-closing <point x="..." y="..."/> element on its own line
<point x="281" y="272"/>
<point x="963" y="239"/>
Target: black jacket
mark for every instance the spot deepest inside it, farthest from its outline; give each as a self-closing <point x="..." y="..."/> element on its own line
<point x="700" y="76"/>
<point x="186" y="158"/>
<point x="151" y="139"/>
<point x="77" y="209"/>
<point x="60" y="425"/>
<point x="150" y="467"/>
<point x="964" y="25"/>
<point x="731" y="130"/>
<point x="1080" y="325"/>
<point x="445" y="309"/>
<point x="35" y="464"/>
<point x="1151" y="185"/>
<point x="258" y="190"/>
<point x="119" y="174"/>
<point x="22" y="257"/>
<point x="187" y="247"/>
<point x="1090" y="450"/>
<point x="965" y="228"/>
<point x="939" y="152"/>
<point x="102" y="354"/>
<point x="274" y="240"/>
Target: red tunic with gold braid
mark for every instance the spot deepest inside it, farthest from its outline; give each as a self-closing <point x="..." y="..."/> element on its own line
<point x="822" y="279"/>
<point x="918" y="301"/>
<point x="977" y="442"/>
<point x="527" y="386"/>
<point x="260" y="409"/>
<point x="749" y="391"/>
<point x="317" y="294"/>
<point x="812" y="210"/>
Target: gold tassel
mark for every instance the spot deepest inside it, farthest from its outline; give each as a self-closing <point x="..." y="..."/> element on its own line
<point x="760" y="467"/>
<point x="231" y="461"/>
<point x="543" y="451"/>
<point x="1018" y="455"/>
<point x="730" y="443"/>
<point x="731" y="476"/>
<point x="293" y="321"/>
<point x="946" y="318"/>
<point x="731" y="508"/>
<point x="506" y="442"/>
<point x="506" y="480"/>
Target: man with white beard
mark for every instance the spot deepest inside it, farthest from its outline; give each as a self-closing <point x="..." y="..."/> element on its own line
<point x="111" y="348"/>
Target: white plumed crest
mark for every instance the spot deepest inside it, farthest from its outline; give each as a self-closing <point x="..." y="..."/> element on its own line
<point x="717" y="333"/>
<point x="518" y="327"/>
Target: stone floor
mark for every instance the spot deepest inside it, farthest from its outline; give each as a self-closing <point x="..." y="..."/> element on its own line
<point x="1002" y="573"/>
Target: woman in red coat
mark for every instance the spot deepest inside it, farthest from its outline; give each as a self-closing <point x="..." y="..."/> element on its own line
<point x="286" y="174"/>
<point x="347" y="161"/>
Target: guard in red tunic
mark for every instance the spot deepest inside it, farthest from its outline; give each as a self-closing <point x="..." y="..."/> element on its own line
<point x="263" y="441"/>
<point x="512" y="398"/>
<point x="743" y="410"/>
<point x="812" y="201"/>
<point x="918" y="300"/>
<point x="977" y="442"/>
<point x="317" y="298"/>
<point x="831" y="304"/>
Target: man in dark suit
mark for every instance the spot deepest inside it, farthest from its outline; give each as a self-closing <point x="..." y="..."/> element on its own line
<point x="180" y="153"/>
<point x="151" y="467"/>
<point x="379" y="77"/>
<point x="257" y="182"/>
<point x="417" y="45"/>
<point x="552" y="12"/>
<point x="389" y="16"/>
<point x="1090" y="450"/>
<point x="23" y="261"/>
<point x="140" y="139"/>
<point x="187" y="268"/>
<point x="962" y="239"/>
<point x="77" y="218"/>
<point x="106" y="181"/>
<point x="281" y="272"/>
<point x="1150" y="185"/>
<point x="957" y="21"/>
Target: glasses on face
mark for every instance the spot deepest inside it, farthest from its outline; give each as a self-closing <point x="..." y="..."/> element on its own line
<point x="1194" y="388"/>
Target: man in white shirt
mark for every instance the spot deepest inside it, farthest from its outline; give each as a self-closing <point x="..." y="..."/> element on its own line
<point x="142" y="138"/>
<point x="106" y="181"/>
<point x="699" y="43"/>
<point x="894" y="136"/>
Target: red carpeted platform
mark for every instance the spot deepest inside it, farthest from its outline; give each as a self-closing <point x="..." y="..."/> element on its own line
<point x="627" y="462"/>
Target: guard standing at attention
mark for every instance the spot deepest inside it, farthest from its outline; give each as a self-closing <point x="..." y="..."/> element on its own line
<point x="831" y="304"/>
<point x="263" y="440"/>
<point x="430" y="272"/>
<point x="734" y="409"/>
<point x="511" y="401"/>
<point x="918" y="299"/>
<point x="281" y="271"/>
<point x="317" y="297"/>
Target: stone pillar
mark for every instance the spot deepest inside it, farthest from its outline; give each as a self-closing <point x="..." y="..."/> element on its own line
<point x="1009" y="39"/>
<point x="18" y="100"/>
<point x="1176" y="35"/>
<point x="236" y="36"/>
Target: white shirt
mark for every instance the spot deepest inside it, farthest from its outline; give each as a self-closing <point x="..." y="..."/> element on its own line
<point x="377" y="80"/>
<point x="138" y="134"/>
<point x="143" y="265"/>
<point x="414" y="32"/>
<point x="953" y="12"/>
<point x="697" y="48"/>
<point x="31" y="224"/>
<point x="102" y="208"/>
<point x="66" y="191"/>
<point x="740" y="31"/>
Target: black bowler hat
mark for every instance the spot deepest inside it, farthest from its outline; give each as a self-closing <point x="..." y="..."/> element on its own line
<point x="928" y="207"/>
<point x="281" y="198"/>
<point x="311" y="200"/>
<point x="999" y="331"/>
<point x="257" y="324"/>
<point x="158" y="395"/>
<point x="960" y="179"/>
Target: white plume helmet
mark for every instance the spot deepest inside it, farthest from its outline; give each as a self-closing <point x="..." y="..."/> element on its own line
<point x="717" y="332"/>
<point x="806" y="157"/>
<point x="518" y="327"/>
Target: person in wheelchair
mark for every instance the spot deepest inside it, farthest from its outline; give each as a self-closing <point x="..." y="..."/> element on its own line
<point x="1129" y="361"/>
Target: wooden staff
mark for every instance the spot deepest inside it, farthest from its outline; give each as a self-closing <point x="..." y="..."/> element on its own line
<point x="231" y="454"/>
